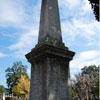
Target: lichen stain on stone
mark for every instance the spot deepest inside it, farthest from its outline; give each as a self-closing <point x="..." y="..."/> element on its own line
<point x="50" y="8"/>
<point x="54" y="29"/>
<point x="59" y="31"/>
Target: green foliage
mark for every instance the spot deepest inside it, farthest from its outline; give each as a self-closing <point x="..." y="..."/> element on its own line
<point x="91" y="70"/>
<point x="73" y="92"/>
<point x="1" y="89"/>
<point x="14" y="73"/>
<point x="96" y="86"/>
<point x="95" y="7"/>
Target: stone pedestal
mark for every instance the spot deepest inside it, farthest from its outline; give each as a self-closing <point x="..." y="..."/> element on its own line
<point x="50" y="74"/>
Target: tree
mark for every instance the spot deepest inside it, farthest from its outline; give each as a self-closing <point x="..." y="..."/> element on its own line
<point x="73" y="91"/>
<point x="86" y="85"/>
<point x="22" y="87"/>
<point x="82" y="86"/>
<point x="93" y="72"/>
<point x="95" y="7"/>
<point x="1" y="89"/>
<point x="14" y="73"/>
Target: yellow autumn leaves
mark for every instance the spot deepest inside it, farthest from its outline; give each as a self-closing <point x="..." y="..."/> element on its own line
<point x="23" y="87"/>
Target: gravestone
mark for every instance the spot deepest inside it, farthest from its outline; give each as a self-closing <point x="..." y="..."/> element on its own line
<point x="50" y="72"/>
<point x="10" y="98"/>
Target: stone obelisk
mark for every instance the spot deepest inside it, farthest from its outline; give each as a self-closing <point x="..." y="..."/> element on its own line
<point x="50" y="72"/>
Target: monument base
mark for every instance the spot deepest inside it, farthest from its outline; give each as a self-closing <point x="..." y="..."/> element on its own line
<point x="50" y="73"/>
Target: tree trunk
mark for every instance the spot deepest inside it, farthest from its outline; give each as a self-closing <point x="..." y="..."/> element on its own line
<point x="87" y="95"/>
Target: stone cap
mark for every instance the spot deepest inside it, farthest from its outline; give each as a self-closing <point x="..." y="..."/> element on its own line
<point x="47" y="50"/>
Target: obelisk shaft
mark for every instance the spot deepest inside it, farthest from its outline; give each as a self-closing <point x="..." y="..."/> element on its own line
<point x="50" y="21"/>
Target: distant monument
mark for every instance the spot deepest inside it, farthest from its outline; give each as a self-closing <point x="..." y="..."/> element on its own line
<point x="50" y="73"/>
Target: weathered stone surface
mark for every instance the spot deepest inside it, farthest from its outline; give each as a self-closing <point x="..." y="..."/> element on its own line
<point x="50" y="76"/>
<point x="49" y="21"/>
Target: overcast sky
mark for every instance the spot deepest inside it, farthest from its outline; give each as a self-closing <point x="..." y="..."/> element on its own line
<point x="19" y="28"/>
